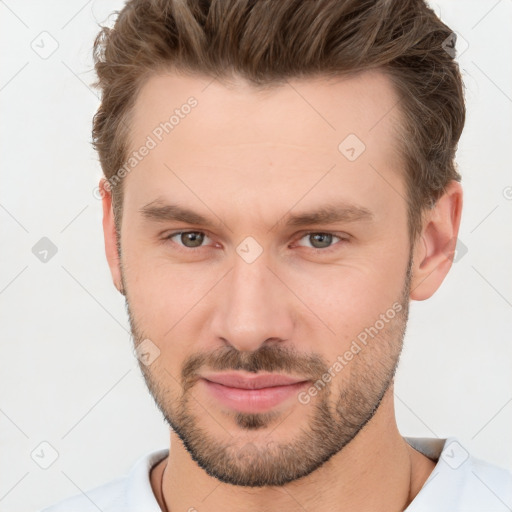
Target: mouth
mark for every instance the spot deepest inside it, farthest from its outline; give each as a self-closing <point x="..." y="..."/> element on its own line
<point x="252" y="393"/>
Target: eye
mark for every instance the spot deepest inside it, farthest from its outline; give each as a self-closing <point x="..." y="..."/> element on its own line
<point x="321" y="241"/>
<point x="188" y="239"/>
<point x="317" y="241"/>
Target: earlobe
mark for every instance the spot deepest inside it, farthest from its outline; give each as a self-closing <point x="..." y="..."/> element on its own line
<point x="110" y="235"/>
<point x="435" y="248"/>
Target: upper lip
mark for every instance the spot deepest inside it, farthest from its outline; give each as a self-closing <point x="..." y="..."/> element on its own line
<point x="237" y="380"/>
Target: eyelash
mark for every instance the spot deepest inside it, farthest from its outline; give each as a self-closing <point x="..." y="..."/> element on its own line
<point x="167" y="238"/>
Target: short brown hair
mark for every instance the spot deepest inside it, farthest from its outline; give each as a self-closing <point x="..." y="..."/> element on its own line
<point x="269" y="41"/>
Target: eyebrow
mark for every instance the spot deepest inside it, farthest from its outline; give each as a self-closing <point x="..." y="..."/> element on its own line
<point x="160" y="211"/>
<point x="329" y="214"/>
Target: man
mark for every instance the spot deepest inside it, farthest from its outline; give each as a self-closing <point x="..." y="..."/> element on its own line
<point x="279" y="183"/>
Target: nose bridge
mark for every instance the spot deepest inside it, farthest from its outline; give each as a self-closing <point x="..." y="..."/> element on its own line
<point x="253" y="305"/>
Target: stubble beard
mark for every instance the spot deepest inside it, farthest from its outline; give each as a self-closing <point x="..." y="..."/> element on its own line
<point x="332" y="422"/>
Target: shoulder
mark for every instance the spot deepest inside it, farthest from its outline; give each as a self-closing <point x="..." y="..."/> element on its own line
<point x="130" y="492"/>
<point x="487" y="484"/>
<point x="460" y="481"/>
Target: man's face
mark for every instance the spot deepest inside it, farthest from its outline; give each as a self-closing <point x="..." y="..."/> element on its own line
<point x="324" y="301"/>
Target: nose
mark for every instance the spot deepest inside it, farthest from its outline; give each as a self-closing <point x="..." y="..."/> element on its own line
<point x="253" y="306"/>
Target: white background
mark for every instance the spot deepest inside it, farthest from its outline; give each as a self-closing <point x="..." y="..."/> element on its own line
<point x="68" y="373"/>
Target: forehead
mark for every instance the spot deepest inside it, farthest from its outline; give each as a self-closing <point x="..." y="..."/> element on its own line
<point x="313" y="114"/>
<point x="235" y="138"/>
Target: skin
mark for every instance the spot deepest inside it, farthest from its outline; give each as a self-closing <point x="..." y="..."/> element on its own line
<point x="246" y="159"/>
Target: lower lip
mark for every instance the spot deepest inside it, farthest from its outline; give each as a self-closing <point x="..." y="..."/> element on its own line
<point x="253" y="400"/>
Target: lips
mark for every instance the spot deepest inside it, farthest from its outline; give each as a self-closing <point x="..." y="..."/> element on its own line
<point x="236" y="380"/>
<point x="252" y="393"/>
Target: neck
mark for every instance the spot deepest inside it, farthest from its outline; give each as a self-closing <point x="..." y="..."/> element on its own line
<point x="376" y="471"/>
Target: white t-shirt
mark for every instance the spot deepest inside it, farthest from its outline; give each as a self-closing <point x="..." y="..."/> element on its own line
<point x="458" y="483"/>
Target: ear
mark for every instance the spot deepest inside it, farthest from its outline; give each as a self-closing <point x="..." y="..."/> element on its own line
<point x="434" y="249"/>
<point x="110" y="235"/>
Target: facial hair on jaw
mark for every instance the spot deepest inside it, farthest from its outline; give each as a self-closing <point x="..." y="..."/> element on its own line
<point x="332" y="422"/>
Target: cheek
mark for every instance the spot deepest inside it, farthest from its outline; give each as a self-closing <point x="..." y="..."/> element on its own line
<point x="164" y="296"/>
<point x="349" y="294"/>
<point x="349" y="299"/>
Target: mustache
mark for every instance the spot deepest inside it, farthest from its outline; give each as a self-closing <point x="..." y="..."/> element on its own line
<point x="268" y="358"/>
